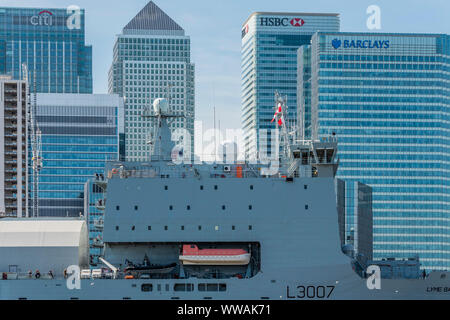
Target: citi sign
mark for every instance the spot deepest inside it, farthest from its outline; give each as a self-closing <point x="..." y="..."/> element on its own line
<point x="281" y="22"/>
<point x="361" y="44"/>
<point x="44" y="18"/>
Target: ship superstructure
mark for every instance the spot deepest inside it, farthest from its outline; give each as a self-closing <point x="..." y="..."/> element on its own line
<point x="223" y="231"/>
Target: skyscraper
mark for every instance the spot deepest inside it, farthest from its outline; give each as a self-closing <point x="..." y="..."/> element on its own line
<point x="80" y="133"/>
<point x="270" y="41"/>
<point x="387" y="98"/>
<point x="52" y="43"/>
<point x="152" y="60"/>
<point x="13" y="147"/>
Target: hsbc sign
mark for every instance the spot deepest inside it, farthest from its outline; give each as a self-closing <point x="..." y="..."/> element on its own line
<point x="281" y="22"/>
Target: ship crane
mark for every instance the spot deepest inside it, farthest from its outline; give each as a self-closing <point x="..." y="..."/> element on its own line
<point x="35" y="137"/>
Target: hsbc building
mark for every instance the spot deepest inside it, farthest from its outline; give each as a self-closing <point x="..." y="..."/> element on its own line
<point x="270" y="42"/>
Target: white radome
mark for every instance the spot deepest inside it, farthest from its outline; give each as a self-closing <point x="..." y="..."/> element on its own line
<point x="161" y="106"/>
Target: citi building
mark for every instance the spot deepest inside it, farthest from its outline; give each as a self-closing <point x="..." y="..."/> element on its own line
<point x="52" y="43"/>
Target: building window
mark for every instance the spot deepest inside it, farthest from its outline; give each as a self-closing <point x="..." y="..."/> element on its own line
<point x="201" y="187"/>
<point x="170" y="207"/>
<point x="250" y="207"/>
<point x="305" y="186"/>
<point x="306" y="207"/>
<point x="215" y="187"/>
<point x="182" y="228"/>
<point x="250" y="227"/>
<point x="233" y="228"/>
<point x="149" y="228"/>
<point x="166" y="228"/>
<point x="199" y="227"/>
<point x="117" y="208"/>
<point x="135" y="208"/>
<point x="117" y="228"/>
<point x="188" y="207"/>
<point x="223" y="207"/>
<point x="166" y="188"/>
<point x="133" y="228"/>
<point x="251" y="187"/>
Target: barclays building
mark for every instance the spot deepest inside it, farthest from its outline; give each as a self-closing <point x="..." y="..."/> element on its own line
<point x="387" y="97"/>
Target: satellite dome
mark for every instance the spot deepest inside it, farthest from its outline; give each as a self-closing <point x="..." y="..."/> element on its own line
<point x="161" y="106"/>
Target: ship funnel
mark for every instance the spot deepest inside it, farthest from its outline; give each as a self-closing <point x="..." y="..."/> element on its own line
<point x="161" y="106"/>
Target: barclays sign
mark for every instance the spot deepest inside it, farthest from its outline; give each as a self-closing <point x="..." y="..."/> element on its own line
<point x="360" y="44"/>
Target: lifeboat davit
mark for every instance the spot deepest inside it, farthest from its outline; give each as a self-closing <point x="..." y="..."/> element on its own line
<point x="192" y="255"/>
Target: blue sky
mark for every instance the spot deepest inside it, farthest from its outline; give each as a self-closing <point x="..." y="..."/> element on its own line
<point x="215" y="27"/>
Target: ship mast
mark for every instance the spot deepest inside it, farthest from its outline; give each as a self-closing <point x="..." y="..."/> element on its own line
<point x="285" y="141"/>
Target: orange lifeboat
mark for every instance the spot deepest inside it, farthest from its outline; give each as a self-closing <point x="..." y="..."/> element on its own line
<point x="192" y="255"/>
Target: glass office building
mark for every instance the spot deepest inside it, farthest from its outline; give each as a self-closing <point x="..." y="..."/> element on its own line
<point x="270" y="41"/>
<point x="80" y="133"/>
<point x="387" y="97"/>
<point x="151" y="60"/>
<point x="52" y="43"/>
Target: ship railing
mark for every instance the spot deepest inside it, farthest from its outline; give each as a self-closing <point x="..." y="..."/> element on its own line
<point x="186" y="173"/>
<point x="24" y="276"/>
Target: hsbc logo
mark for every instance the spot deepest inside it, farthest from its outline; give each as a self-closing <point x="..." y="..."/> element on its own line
<point x="297" y="22"/>
<point x="245" y="31"/>
<point x="281" y="22"/>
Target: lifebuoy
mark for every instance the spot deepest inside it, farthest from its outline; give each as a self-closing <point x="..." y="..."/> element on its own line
<point x="114" y="171"/>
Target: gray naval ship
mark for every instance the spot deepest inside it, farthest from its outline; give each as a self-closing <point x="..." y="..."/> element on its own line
<point x="221" y="231"/>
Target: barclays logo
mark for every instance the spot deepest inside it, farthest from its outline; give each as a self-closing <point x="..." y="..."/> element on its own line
<point x="336" y="43"/>
<point x="361" y="44"/>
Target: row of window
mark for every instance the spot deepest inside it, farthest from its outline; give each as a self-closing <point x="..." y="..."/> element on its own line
<point x="182" y="228"/>
<point x="212" y="287"/>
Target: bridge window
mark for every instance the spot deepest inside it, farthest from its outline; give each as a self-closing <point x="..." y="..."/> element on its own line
<point x="147" y="287"/>
<point x="183" y="287"/>
<point x="188" y="207"/>
<point x="251" y="187"/>
<point x="117" y="208"/>
<point x="149" y="228"/>
<point x="250" y="227"/>
<point x="216" y="187"/>
<point x="199" y="227"/>
<point x="117" y="228"/>
<point x="133" y="228"/>
<point x="135" y="208"/>
<point x="182" y="227"/>
<point x="250" y="207"/>
<point x="306" y="207"/>
<point x="166" y="228"/>
<point x="166" y="188"/>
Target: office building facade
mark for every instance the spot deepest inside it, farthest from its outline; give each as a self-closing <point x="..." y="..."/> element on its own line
<point x="80" y="133"/>
<point x="13" y="148"/>
<point x="52" y="43"/>
<point x="270" y="42"/>
<point x="152" y="60"/>
<point x="387" y="98"/>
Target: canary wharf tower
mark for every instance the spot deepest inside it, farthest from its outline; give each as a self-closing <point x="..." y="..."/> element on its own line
<point x="152" y="60"/>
